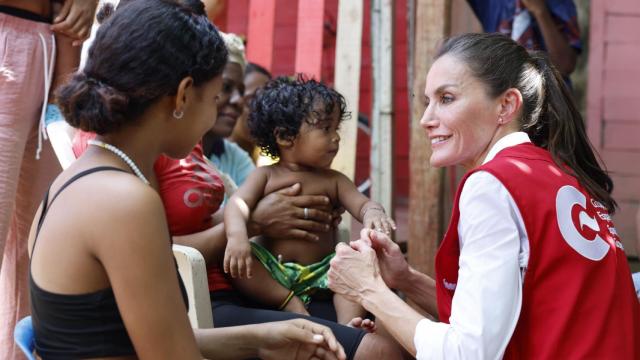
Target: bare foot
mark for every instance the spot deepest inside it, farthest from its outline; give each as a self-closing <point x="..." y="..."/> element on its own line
<point x="296" y="306"/>
<point x="367" y="325"/>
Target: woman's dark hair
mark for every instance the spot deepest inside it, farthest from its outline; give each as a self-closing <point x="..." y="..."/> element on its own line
<point x="279" y="109"/>
<point x="253" y="67"/>
<point x="140" y="54"/>
<point x="549" y="114"/>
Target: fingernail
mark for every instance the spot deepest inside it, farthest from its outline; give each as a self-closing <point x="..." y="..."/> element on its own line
<point x="318" y="337"/>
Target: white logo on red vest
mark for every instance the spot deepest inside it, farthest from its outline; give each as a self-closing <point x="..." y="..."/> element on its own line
<point x="448" y="285"/>
<point x="582" y="232"/>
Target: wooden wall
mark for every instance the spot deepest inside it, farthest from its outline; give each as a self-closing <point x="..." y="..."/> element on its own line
<point x="613" y="104"/>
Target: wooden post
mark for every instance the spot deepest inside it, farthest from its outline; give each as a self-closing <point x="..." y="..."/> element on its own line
<point x="260" y="32"/>
<point x="382" y="153"/>
<point x="309" y="39"/>
<point x="347" y="82"/>
<point x="425" y="192"/>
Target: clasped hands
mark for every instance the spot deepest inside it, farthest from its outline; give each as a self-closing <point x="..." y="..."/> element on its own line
<point x="368" y="265"/>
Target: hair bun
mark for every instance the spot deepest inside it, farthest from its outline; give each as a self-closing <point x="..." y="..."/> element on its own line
<point x="92" y="105"/>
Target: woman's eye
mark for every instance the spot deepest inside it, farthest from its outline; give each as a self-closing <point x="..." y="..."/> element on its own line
<point x="447" y="99"/>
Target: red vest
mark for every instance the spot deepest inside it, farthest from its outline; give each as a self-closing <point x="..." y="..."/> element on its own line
<point x="578" y="296"/>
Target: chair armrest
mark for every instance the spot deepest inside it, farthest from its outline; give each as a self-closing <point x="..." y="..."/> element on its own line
<point x="193" y="271"/>
<point x="61" y="135"/>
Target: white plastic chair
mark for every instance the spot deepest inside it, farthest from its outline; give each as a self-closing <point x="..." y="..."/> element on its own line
<point x="191" y="264"/>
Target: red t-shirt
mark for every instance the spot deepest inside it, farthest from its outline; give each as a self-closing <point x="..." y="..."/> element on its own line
<point x="191" y="191"/>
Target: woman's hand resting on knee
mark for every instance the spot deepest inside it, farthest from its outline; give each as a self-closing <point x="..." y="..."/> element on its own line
<point x="299" y="339"/>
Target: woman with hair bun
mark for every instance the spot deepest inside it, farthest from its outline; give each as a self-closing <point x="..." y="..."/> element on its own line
<point x="103" y="281"/>
<point x="531" y="266"/>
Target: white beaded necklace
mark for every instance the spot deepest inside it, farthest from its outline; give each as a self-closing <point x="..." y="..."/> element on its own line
<point x="121" y="155"/>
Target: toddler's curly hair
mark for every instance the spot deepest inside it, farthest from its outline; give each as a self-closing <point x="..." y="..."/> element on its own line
<point x="279" y="109"/>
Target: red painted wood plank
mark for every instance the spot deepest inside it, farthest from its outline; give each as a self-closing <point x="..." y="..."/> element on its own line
<point x="622" y="136"/>
<point x="238" y="17"/>
<point x="621" y="83"/>
<point x="622" y="108"/>
<point x="626" y="188"/>
<point x="310" y="36"/>
<point x="596" y="61"/>
<point x="622" y="57"/>
<point x="626" y="225"/>
<point x="623" y="29"/>
<point x="622" y="162"/>
<point x="627" y="7"/>
<point x="260" y="33"/>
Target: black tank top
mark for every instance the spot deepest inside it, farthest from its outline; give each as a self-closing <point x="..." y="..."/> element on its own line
<point x="78" y="326"/>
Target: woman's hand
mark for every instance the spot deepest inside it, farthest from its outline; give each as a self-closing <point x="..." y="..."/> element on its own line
<point x="282" y="214"/>
<point x="75" y="19"/>
<point x="238" y="259"/>
<point x="391" y="261"/>
<point x="299" y="339"/>
<point x="354" y="271"/>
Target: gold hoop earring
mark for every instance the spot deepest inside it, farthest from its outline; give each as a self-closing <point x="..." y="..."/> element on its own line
<point x="178" y="114"/>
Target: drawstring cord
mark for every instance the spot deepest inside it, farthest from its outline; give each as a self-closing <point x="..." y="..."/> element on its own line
<point x="48" y="77"/>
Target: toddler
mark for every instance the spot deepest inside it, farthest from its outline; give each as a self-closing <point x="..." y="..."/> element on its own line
<point x="297" y="121"/>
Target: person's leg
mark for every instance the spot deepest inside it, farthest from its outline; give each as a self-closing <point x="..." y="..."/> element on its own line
<point x="35" y="177"/>
<point x="21" y="97"/>
<point x="346" y="310"/>
<point x="374" y="346"/>
<point x="263" y="288"/>
<point x="228" y="310"/>
<point x="229" y="314"/>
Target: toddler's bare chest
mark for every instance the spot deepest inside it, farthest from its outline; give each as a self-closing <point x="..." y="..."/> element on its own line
<point x="311" y="184"/>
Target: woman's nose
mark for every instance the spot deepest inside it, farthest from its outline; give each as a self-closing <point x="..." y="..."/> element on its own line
<point x="236" y="98"/>
<point x="428" y="119"/>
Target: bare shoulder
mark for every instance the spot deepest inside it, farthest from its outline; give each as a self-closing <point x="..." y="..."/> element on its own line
<point x="119" y="206"/>
<point x="121" y="191"/>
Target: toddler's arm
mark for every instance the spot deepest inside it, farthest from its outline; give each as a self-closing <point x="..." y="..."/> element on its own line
<point x="237" y="255"/>
<point x="370" y="213"/>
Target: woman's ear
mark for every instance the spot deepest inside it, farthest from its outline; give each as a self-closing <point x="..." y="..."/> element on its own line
<point x="510" y="106"/>
<point x="184" y="92"/>
<point x="282" y="140"/>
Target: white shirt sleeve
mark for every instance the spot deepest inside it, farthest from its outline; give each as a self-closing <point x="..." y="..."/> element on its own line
<point x="488" y="297"/>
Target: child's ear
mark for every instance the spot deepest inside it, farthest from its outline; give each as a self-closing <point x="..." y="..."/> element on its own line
<point x="281" y="139"/>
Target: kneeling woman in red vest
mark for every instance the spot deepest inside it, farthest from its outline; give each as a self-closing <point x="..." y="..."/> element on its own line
<point x="531" y="266"/>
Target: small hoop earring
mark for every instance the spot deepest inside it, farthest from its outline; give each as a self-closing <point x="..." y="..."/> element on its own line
<point x="178" y="114"/>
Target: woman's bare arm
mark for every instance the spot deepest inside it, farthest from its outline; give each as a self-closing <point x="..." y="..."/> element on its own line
<point x="132" y="244"/>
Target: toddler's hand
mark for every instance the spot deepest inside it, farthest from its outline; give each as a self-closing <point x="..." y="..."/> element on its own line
<point x="376" y="219"/>
<point x="367" y="325"/>
<point x="237" y="259"/>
